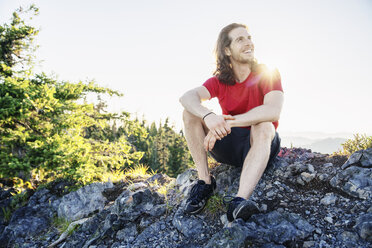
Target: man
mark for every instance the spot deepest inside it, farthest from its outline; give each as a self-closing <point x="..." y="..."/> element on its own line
<point x="251" y="100"/>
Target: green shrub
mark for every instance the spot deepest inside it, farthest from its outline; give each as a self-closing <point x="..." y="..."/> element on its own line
<point x="359" y="142"/>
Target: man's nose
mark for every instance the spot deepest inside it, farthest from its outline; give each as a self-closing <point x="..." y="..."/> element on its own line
<point x="247" y="42"/>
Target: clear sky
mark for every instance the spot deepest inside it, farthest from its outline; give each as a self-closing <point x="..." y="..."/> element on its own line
<point x="154" y="51"/>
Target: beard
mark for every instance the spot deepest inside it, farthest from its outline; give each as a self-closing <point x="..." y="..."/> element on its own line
<point x="243" y="60"/>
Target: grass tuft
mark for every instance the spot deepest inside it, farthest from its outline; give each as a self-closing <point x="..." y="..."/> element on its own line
<point x="139" y="171"/>
<point x="60" y="223"/>
<point x="7" y="214"/>
<point x="215" y="205"/>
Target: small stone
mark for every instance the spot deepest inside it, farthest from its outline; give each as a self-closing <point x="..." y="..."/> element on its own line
<point x="329" y="199"/>
<point x="307" y="177"/>
<point x="300" y="181"/>
<point x="310" y="168"/>
<point x="328" y="219"/>
<point x="327" y="165"/>
<point x="263" y="208"/>
<point x="355" y="209"/>
<point x="270" y="193"/>
<point x="323" y="177"/>
<point x="307" y="212"/>
<point x="318" y="231"/>
<point x="280" y="210"/>
<point x="308" y="244"/>
<point x="349" y="236"/>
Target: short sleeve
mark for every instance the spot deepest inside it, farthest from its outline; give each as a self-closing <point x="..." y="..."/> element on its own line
<point x="212" y="86"/>
<point x="272" y="82"/>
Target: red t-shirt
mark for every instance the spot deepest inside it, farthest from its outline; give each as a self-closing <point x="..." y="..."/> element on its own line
<point x="242" y="97"/>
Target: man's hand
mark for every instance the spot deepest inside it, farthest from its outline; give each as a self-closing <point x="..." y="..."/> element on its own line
<point x="211" y="137"/>
<point x="217" y="125"/>
<point x="209" y="141"/>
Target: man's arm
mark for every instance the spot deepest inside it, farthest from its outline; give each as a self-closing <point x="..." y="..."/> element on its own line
<point x="268" y="112"/>
<point x="191" y="101"/>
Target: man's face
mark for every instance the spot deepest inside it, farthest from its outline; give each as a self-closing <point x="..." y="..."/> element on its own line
<point x="241" y="49"/>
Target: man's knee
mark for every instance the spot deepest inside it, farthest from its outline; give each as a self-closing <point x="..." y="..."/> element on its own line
<point x="263" y="131"/>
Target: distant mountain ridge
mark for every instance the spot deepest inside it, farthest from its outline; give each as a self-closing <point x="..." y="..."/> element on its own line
<point x="316" y="141"/>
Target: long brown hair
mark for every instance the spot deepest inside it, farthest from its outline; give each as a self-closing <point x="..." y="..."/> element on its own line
<point x="224" y="71"/>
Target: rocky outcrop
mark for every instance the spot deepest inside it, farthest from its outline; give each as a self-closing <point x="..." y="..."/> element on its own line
<point x="305" y="200"/>
<point x="83" y="202"/>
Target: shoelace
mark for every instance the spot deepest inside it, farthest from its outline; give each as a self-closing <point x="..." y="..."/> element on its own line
<point x="228" y="199"/>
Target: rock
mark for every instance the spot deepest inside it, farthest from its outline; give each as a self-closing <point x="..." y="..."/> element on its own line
<point x="82" y="202"/>
<point x="355" y="181"/>
<point x="188" y="175"/>
<point x="190" y="226"/>
<point x="310" y="168"/>
<point x="329" y="199"/>
<point x="263" y="208"/>
<point x="224" y="220"/>
<point x="128" y="234"/>
<point x="158" y="210"/>
<point x="26" y="222"/>
<point x="153" y="236"/>
<point x="323" y="177"/>
<point x="185" y="180"/>
<point x="270" y="193"/>
<point x="229" y="237"/>
<point x="327" y="165"/>
<point x="349" y="236"/>
<point x="307" y="177"/>
<point x="159" y="179"/>
<point x="364" y="226"/>
<point x="361" y="158"/>
<point x="136" y="186"/>
<point x="275" y="227"/>
<point x="329" y="219"/>
<point x="308" y="244"/>
<point x="291" y="215"/>
<point x="132" y="205"/>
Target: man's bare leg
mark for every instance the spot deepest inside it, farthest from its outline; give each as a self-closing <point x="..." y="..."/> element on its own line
<point x="256" y="161"/>
<point x="195" y="132"/>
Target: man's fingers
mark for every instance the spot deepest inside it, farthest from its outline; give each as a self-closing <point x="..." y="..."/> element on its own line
<point x="223" y="132"/>
<point x="228" y="117"/>
<point x="211" y="143"/>
<point x="206" y="141"/>
<point x="228" y="130"/>
<point x="218" y="134"/>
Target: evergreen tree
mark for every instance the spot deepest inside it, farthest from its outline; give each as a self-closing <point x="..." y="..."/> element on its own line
<point x="43" y="125"/>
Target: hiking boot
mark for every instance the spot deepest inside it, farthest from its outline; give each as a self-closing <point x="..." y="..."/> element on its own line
<point x="199" y="196"/>
<point x="239" y="208"/>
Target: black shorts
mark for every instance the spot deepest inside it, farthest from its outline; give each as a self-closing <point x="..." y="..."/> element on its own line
<point x="233" y="148"/>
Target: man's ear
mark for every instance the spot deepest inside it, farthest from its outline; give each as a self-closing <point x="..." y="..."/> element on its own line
<point x="227" y="51"/>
